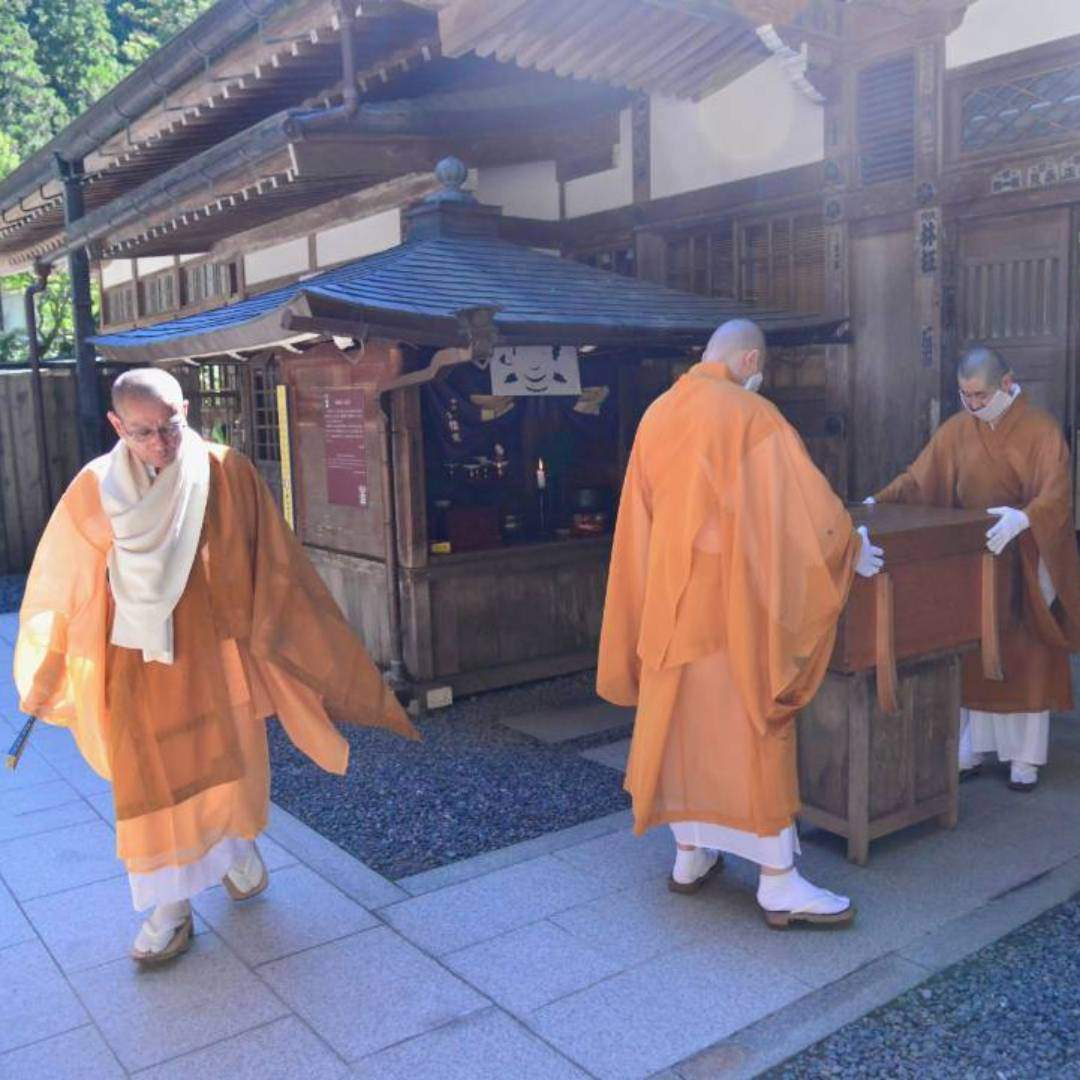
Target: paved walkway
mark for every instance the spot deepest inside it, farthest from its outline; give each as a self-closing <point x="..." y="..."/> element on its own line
<point x="565" y="956"/>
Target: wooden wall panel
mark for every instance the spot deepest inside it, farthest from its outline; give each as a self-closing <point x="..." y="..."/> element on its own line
<point x="884" y="359"/>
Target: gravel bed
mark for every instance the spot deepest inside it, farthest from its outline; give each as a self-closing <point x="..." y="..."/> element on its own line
<point x="1009" y="1012"/>
<point x="472" y="785"/>
<point x="11" y="592"/>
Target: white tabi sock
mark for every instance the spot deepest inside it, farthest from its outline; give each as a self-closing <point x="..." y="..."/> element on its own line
<point x="691" y="865"/>
<point x="157" y="931"/>
<point x="1020" y="772"/>
<point x="247" y="872"/>
<point x="790" y="891"/>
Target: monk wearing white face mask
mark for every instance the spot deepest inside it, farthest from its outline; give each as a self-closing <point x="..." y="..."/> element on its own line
<point x="1004" y="455"/>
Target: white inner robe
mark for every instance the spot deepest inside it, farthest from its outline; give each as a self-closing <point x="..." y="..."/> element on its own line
<point x="776" y="852"/>
<point x="173" y="883"/>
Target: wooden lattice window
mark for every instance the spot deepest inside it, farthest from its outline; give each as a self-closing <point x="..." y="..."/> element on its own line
<point x="1044" y="107"/>
<point x="774" y="262"/>
<point x="703" y="260"/>
<point x="207" y="281"/>
<point x="885" y="120"/>
<point x="159" y="293"/>
<point x="264" y="416"/>
<point x="120" y="304"/>
<point x="220" y="405"/>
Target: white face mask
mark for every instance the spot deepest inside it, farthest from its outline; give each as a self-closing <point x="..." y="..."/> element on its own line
<point x="753" y="384"/>
<point x="994" y="409"/>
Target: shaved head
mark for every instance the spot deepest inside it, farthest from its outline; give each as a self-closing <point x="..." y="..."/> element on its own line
<point x="985" y="364"/>
<point x="734" y="339"/>
<point x="147" y="384"/>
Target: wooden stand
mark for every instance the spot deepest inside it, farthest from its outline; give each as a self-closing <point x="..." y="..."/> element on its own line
<point x="864" y="774"/>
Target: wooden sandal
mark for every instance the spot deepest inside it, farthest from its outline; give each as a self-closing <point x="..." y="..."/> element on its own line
<point x="783" y="920"/>
<point x="179" y="943"/>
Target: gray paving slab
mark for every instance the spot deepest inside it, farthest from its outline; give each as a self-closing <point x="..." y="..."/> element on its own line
<point x="80" y="1054"/>
<point x="370" y="991"/>
<point x="614" y="755"/>
<point x="452" y="873"/>
<point x="622" y="859"/>
<point x="775" y="1038"/>
<point x="286" y="1049"/>
<point x="37" y="1001"/>
<point x="77" y="773"/>
<point x="151" y="1016"/>
<point x="485" y="1046"/>
<point x="550" y="726"/>
<point x="41" y="808"/>
<point x="14" y="926"/>
<point x="89" y="925"/>
<point x="531" y="967"/>
<point x="299" y="910"/>
<point x="643" y="1020"/>
<point x="73" y="856"/>
<point x="461" y="915"/>
<point x="104" y="807"/>
<point x="32" y="769"/>
<point x="351" y="876"/>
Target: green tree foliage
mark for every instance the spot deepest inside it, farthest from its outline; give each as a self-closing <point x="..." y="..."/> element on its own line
<point x="148" y="24"/>
<point x="76" y="49"/>
<point x="31" y="110"/>
<point x="55" y="318"/>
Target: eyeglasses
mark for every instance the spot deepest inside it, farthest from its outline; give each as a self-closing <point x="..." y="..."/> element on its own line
<point x="167" y="432"/>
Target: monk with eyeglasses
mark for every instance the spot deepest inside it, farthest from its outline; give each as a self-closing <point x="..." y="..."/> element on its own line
<point x="168" y="613"/>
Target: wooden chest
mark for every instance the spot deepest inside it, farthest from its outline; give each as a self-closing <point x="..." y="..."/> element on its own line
<point x="878" y="745"/>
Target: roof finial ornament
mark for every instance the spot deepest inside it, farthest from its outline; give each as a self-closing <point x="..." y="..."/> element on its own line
<point x="452" y="174"/>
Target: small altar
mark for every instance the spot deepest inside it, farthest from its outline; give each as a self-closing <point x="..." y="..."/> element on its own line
<point x="878" y="744"/>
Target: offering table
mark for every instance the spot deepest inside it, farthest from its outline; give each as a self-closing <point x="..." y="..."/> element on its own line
<point x="877" y="747"/>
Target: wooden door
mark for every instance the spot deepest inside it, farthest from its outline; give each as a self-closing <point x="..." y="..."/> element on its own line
<point x="1013" y="295"/>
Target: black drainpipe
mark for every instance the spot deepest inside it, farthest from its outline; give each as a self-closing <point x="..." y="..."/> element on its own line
<point x="41" y="279"/>
<point x="396" y="676"/>
<point x="88" y="386"/>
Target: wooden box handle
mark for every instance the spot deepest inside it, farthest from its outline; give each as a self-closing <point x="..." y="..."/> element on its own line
<point x="886" y="644"/>
<point x="991" y="630"/>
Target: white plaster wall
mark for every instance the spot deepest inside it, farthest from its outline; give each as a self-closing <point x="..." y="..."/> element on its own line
<point x="356" y="239"/>
<point x="611" y="188"/>
<point x="154" y="264"/>
<point x="115" y="272"/>
<point x="529" y="190"/>
<point x="277" y="261"/>
<point x="758" y="124"/>
<point x="993" y="27"/>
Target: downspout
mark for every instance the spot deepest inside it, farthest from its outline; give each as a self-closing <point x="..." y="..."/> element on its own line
<point x="41" y="279"/>
<point x="336" y="118"/>
<point x="396" y="675"/>
<point x="86" y="371"/>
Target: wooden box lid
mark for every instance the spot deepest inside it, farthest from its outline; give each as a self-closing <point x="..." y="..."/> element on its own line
<point x="934" y="559"/>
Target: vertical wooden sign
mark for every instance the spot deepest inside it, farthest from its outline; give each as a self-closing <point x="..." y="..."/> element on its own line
<point x="285" y="453"/>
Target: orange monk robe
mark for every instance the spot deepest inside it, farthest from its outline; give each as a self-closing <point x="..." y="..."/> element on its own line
<point x="256" y="634"/>
<point x="732" y="561"/>
<point x="1022" y="462"/>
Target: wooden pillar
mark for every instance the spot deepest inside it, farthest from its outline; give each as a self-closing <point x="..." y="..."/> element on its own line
<point x="928" y="227"/>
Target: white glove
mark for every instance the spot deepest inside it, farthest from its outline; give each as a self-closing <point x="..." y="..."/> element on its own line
<point x="871" y="559"/>
<point x="869" y="501"/>
<point x="1011" y="523"/>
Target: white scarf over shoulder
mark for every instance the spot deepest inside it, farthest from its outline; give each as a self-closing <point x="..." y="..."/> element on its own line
<point x="156" y="523"/>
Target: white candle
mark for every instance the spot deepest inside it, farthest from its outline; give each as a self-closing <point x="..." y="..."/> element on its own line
<point x="541" y="477"/>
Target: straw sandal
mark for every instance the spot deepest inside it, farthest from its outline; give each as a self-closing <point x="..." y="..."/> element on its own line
<point x="179" y="943"/>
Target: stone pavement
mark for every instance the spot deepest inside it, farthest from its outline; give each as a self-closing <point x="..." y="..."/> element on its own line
<point x="564" y="956"/>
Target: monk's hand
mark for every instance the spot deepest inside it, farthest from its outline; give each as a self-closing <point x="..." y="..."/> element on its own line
<point x="871" y="559"/>
<point x="1010" y="524"/>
